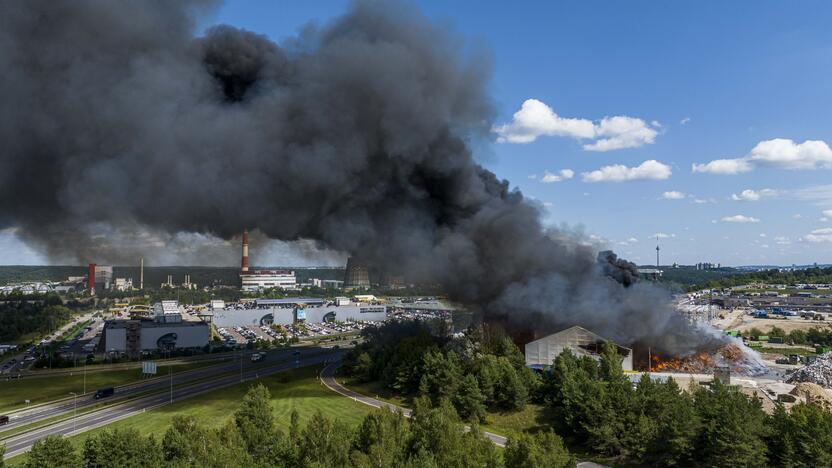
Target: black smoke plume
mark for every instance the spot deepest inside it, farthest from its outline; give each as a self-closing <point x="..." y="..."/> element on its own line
<point x="118" y="117"/>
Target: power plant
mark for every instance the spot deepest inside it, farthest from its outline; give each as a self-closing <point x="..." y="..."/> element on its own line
<point x="258" y="280"/>
<point x="357" y="275"/>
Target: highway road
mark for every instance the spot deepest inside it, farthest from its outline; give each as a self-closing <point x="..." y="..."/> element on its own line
<point x="21" y="443"/>
<point x="328" y="379"/>
<point x="66" y="405"/>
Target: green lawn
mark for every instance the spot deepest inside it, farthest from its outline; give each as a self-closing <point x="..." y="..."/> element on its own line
<point x="297" y="389"/>
<point x="13" y="393"/>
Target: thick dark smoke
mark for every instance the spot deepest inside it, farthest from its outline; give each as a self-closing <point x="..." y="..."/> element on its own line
<point x="116" y="115"/>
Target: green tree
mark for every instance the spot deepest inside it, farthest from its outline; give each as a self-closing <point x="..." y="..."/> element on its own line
<point x="2" y="454"/>
<point x="362" y="367"/>
<point x="381" y="440"/>
<point x="439" y="432"/>
<point x="469" y="400"/>
<point x="255" y="421"/>
<point x="541" y="450"/>
<point x="441" y="375"/>
<point x="121" y="447"/>
<point x="324" y="443"/>
<point x="676" y="424"/>
<point x="733" y="428"/>
<point x="801" y="437"/>
<point x="52" y="452"/>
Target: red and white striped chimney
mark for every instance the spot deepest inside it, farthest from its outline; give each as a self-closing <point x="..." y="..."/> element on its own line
<point x="91" y="278"/>
<point x="244" y="265"/>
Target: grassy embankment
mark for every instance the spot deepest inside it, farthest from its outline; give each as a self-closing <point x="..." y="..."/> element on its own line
<point x="297" y="389"/>
<point x="13" y="393"/>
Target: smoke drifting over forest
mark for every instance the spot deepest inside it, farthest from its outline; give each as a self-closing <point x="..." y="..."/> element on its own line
<point x="117" y="117"/>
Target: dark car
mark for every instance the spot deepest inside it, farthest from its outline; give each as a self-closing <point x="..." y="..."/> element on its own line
<point x="4" y="420"/>
<point x="104" y="392"/>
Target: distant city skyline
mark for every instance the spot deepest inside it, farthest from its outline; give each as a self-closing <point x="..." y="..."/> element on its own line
<point x="706" y="125"/>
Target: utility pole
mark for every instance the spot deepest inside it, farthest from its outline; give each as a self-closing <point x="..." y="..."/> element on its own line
<point x="170" y="374"/>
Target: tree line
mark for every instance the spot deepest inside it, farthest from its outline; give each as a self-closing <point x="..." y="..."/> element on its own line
<point x="41" y="315"/>
<point x="811" y="337"/>
<point x="433" y="437"/>
<point x="773" y="276"/>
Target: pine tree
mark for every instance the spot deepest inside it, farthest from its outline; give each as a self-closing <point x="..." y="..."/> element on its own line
<point x="52" y="452"/>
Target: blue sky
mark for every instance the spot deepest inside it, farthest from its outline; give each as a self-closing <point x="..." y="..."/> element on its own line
<point x="695" y="82"/>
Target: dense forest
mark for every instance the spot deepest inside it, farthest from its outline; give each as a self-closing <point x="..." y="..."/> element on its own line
<point x="40" y="315"/>
<point x="806" y="276"/>
<point x="591" y="404"/>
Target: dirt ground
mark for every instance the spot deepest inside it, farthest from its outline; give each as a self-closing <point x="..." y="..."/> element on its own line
<point x="746" y="323"/>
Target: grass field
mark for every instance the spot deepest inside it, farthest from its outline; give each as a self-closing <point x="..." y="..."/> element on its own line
<point x="297" y="390"/>
<point x="13" y="393"/>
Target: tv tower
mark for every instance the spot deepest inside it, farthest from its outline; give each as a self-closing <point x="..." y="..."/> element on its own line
<point x="657" y="252"/>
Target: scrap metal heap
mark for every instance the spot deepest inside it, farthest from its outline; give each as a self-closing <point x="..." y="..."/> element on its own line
<point x="819" y="372"/>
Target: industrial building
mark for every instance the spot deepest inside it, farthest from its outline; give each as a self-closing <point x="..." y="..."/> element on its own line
<point x="541" y="353"/>
<point x="99" y="277"/>
<point x="259" y="280"/>
<point x="291" y="310"/>
<point x="167" y="330"/>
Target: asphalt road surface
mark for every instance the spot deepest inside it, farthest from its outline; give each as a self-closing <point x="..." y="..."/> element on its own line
<point x="21" y="443"/>
<point x="328" y="379"/>
<point x="82" y="402"/>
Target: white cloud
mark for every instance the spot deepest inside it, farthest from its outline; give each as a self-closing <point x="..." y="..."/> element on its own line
<point x="533" y="176"/>
<point x="673" y="195"/>
<point x="763" y="235"/>
<point x="630" y="241"/>
<point x="684" y="121"/>
<point x="702" y="201"/>
<point x="820" y="235"/>
<point x="648" y="170"/>
<point x="780" y="153"/>
<point x="827" y="213"/>
<point x="723" y="166"/>
<point x="536" y="119"/>
<point x="781" y="240"/>
<point x="797" y="216"/>
<point x="740" y="219"/>
<point x="753" y="195"/>
<point x="560" y="176"/>
<point x="661" y="235"/>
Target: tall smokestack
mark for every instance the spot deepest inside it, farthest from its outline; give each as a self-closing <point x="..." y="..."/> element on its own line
<point x="141" y="274"/>
<point x="91" y="279"/>
<point x="244" y="264"/>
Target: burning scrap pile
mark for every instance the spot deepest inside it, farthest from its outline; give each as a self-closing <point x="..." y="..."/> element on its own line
<point x="741" y="360"/>
<point x="819" y="372"/>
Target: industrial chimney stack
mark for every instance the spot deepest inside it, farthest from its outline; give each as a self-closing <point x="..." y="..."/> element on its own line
<point x="141" y="274"/>
<point x="91" y="279"/>
<point x="244" y="265"/>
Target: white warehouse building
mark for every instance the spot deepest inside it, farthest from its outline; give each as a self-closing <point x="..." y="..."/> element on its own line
<point x="541" y="353"/>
